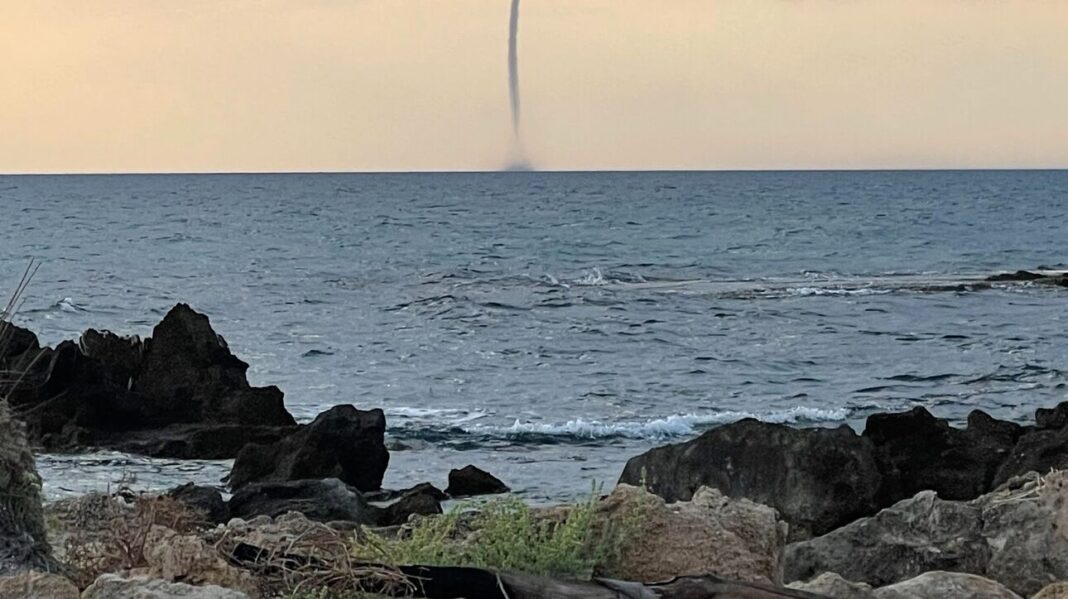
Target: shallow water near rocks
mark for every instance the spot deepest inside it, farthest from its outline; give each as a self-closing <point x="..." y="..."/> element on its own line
<point x="548" y="326"/>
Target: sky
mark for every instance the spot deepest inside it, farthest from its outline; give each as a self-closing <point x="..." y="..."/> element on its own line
<point x="401" y="85"/>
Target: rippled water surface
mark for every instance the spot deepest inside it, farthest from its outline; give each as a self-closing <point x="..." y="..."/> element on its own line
<point x="549" y="326"/>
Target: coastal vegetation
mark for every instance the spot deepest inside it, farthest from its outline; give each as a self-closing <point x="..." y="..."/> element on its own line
<point x="507" y="534"/>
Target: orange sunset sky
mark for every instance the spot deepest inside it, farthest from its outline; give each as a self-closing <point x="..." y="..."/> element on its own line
<point x="368" y="85"/>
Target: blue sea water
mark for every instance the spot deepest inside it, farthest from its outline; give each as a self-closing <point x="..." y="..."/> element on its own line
<point x="548" y="326"/>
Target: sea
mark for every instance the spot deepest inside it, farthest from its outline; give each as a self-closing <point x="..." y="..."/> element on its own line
<point x="546" y="327"/>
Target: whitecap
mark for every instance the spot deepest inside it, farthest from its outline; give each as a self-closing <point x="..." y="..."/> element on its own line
<point x="592" y="278"/>
<point x="67" y="305"/>
<point x="675" y="425"/>
<point x="449" y="416"/>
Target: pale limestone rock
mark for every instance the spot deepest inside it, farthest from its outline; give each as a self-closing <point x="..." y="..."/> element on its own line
<point x="38" y="585"/>
<point x="172" y="556"/>
<point x="1057" y="590"/>
<point x="710" y="534"/>
<point x="946" y="585"/>
<point x="834" y="586"/>
<point x="112" y="586"/>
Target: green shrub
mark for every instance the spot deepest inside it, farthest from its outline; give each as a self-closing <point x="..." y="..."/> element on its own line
<point x="508" y="535"/>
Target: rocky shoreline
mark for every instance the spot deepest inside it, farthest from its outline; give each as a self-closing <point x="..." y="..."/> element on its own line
<point x="910" y="507"/>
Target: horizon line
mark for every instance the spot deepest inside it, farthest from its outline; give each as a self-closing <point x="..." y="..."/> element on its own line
<point x="527" y="172"/>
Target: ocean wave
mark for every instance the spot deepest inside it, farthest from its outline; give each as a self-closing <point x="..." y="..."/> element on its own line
<point x="592" y="278"/>
<point x="64" y="305"/>
<point x="450" y="416"/>
<point x="675" y="425"/>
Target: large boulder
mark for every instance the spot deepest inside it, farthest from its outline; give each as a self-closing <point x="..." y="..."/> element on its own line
<point x="343" y="443"/>
<point x="471" y="480"/>
<point x="710" y="534"/>
<point x="206" y="501"/>
<point x="320" y="500"/>
<point x="905" y="540"/>
<point x="946" y="585"/>
<point x="1015" y="535"/>
<point x="400" y="511"/>
<point x="916" y="452"/>
<point x="818" y="479"/>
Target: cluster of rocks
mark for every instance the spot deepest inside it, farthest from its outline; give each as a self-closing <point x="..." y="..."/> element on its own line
<point x="911" y="508"/>
<point x="821" y="479"/>
<point x="332" y="499"/>
<point x="182" y="394"/>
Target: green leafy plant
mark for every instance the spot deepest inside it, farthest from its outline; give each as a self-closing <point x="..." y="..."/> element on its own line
<point x="506" y="534"/>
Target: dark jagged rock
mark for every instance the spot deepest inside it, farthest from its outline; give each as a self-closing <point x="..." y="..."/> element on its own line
<point x="189" y="375"/>
<point x="321" y="500"/>
<point x="179" y="394"/>
<point x="470" y="481"/>
<point x="1020" y="275"/>
<point x="205" y="500"/>
<point x="190" y="441"/>
<point x="818" y="479"/>
<point x="386" y="495"/>
<point x="916" y="451"/>
<point x="1052" y="418"/>
<point x="121" y="356"/>
<point x="1039" y="451"/>
<point x="1041" y="448"/>
<point x="398" y="512"/>
<point x="1056" y="278"/>
<point x="343" y="443"/>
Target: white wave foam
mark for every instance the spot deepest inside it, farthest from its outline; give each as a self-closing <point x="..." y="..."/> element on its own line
<point x="676" y="425"/>
<point x="67" y="305"/>
<point x="452" y="416"/>
<point x="592" y="278"/>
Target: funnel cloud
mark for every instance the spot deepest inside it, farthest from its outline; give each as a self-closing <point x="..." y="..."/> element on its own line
<point x="518" y="160"/>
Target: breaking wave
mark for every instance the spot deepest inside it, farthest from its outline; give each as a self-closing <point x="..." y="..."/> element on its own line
<point x="668" y="427"/>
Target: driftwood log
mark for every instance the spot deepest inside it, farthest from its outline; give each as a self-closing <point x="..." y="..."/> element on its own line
<point x="474" y="583"/>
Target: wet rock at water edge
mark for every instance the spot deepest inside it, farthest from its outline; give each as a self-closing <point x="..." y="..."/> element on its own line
<point x="818" y="479"/>
<point x="470" y="481"/>
<point x="342" y="442"/>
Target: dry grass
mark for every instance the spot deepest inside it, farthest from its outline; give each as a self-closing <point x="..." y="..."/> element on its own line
<point x="11" y="374"/>
<point x="107" y="534"/>
<point x="316" y="563"/>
